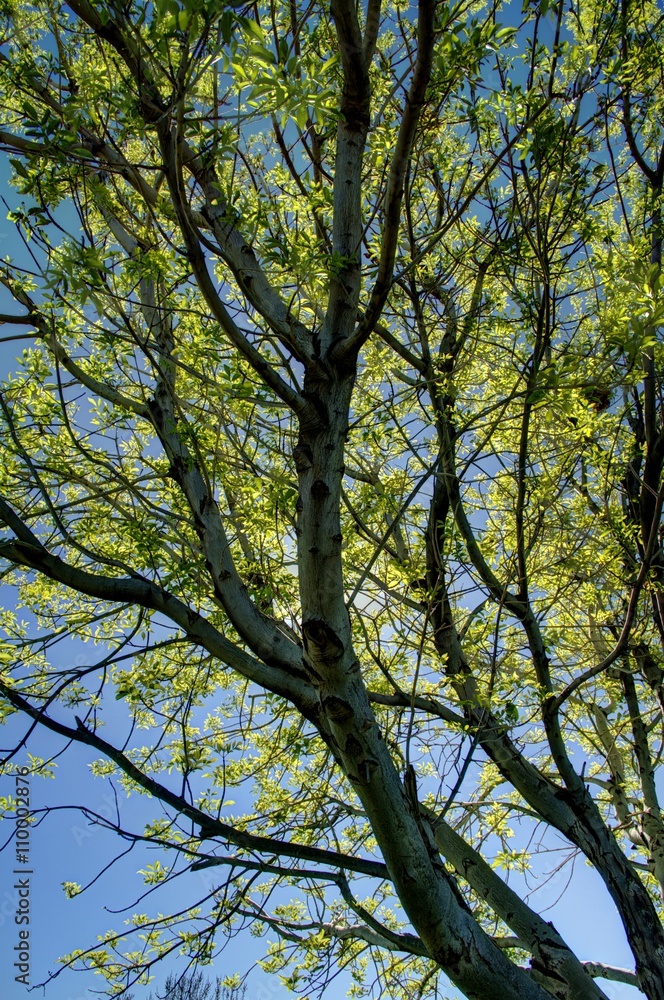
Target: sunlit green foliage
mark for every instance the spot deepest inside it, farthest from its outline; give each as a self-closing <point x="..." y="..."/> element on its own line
<point x="177" y="183"/>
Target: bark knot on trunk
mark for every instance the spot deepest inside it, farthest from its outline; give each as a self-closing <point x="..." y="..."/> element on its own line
<point x="321" y="641"/>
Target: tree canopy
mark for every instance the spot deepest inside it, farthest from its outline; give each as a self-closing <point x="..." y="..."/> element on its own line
<point x="338" y="435"/>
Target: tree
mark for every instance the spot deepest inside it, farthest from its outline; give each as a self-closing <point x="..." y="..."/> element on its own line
<point x="339" y="436"/>
<point x="195" y="987"/>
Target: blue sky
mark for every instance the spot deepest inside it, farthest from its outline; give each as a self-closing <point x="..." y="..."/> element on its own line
<point x="64" y="847"/>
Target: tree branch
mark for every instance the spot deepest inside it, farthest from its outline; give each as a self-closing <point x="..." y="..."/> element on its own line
<point x="415" y="100"/>
<point x="28" y="551"/>
<point x="614" y="974"/>
<point x="210" y="828"/>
